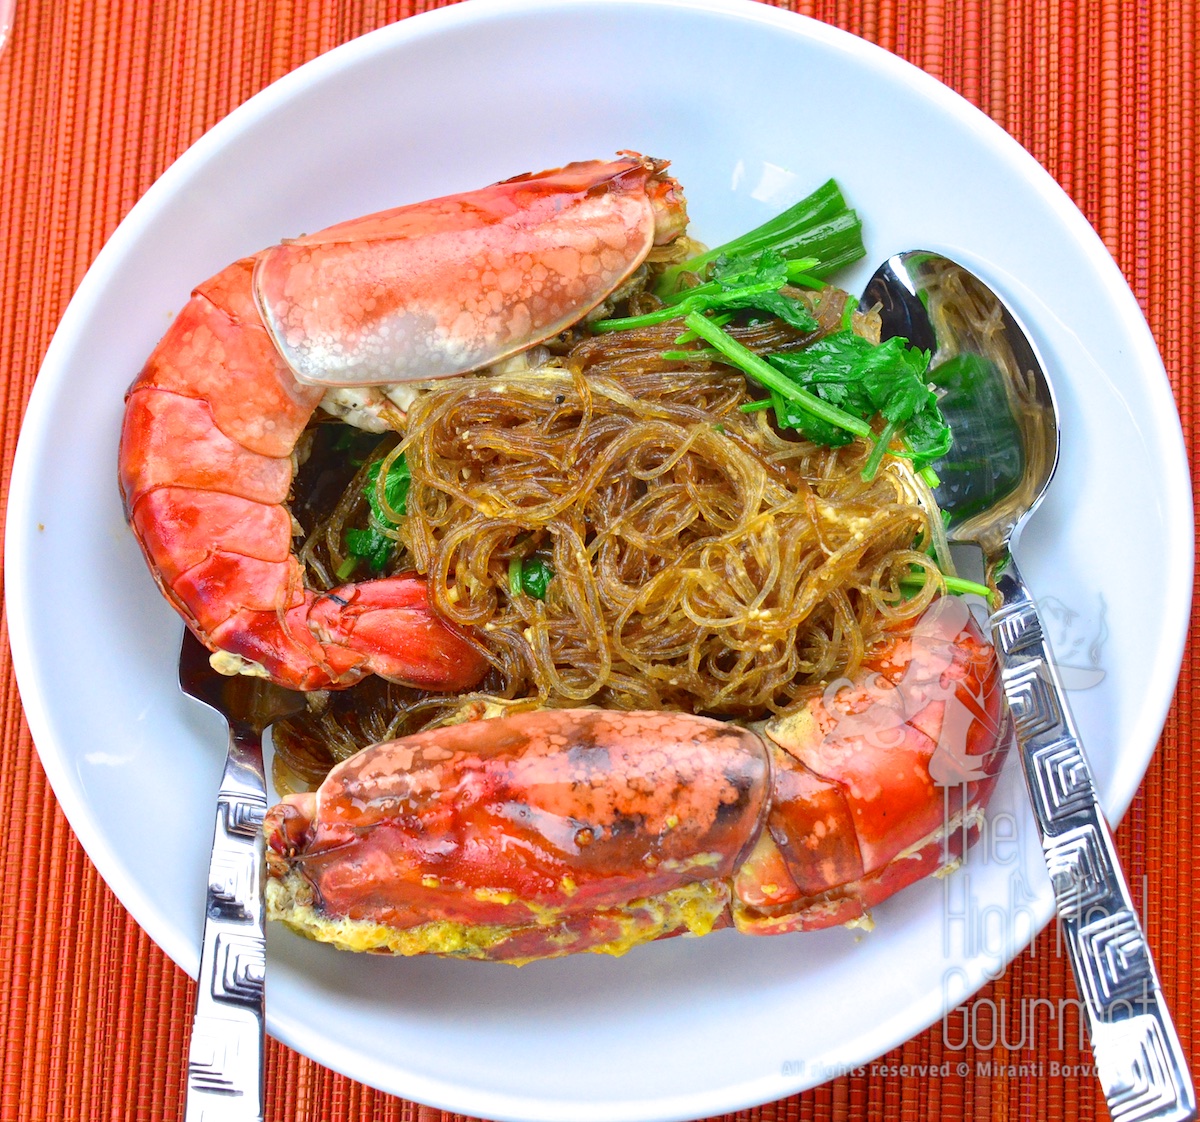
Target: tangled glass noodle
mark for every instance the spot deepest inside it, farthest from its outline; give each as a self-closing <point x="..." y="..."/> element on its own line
<point x="702" y="561"/>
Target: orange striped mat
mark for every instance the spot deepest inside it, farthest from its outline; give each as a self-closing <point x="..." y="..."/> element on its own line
<point x="97" y="97"/>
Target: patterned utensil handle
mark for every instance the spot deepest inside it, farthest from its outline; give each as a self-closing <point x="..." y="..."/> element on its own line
<point x="1139" y="1060"/>
<point x="225" y="1058"/>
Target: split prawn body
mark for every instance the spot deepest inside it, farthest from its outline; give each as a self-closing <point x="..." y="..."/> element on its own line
<point x="207" y="455"/>
<point x="549" y="833"/>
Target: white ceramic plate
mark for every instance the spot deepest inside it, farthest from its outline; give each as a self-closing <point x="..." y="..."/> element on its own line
<point x="755" y="107"/>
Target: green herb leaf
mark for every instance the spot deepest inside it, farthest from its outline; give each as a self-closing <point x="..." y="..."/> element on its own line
<point x="373" y="545"/>
<point x="747" y="283"/>
<point x="834" y="389"/>
<point x="370" y="546"/>
<point x="820" y="225"/>
<point x="753" y="282"/>
<point x="395" y="488"/>
<point x="864" y="379"/>
<point x="767" y="375"/>
<point x="531" y="576"/>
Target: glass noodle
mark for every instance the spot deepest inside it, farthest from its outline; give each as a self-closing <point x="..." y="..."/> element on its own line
<point x="701" y="560"/>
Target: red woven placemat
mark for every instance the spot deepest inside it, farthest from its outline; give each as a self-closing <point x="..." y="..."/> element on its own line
<point x="97" y="97"/>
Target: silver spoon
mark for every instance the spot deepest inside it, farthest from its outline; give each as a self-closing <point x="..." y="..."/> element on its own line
<point x="225" y="1056"/>
<point x="1004" y="424"/>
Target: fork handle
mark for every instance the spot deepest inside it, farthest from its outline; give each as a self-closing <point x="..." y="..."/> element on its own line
<point x="1140" y="1062"/>
<point x="225" y="1057"/>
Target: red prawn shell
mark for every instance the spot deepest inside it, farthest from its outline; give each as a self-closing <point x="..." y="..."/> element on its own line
<point x="568" y="830"/>
<point x="211" y="423"/>
<point x="872" y="778"/>
<point x="551" y="825"/>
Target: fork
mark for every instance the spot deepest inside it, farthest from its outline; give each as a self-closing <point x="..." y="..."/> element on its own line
<point x="225" y="1057"/>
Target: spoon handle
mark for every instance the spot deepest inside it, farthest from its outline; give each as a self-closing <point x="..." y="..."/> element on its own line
<point x="1139" y="1060"/>
<point x="225" y="1058"/>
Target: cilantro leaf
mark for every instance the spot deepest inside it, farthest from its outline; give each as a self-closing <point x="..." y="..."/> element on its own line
<point x="767" y="375"/>
<point x="837" y="388"/>
<point x="395" y="488"/>
<point x="370" y="546"/>
<point x="743" y="284"/>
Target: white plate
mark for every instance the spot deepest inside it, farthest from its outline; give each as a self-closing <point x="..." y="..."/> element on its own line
<point x="755" y="107"/>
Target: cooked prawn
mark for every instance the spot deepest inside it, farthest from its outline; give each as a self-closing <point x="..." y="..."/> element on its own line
<point x="207" y="454"/>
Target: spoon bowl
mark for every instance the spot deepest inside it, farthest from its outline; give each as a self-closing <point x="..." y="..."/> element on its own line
<point x="997" y="400"/>
<point x="992" y="389"/>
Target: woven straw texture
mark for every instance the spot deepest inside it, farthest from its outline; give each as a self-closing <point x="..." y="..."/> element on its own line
<point x="98" y="97"/>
